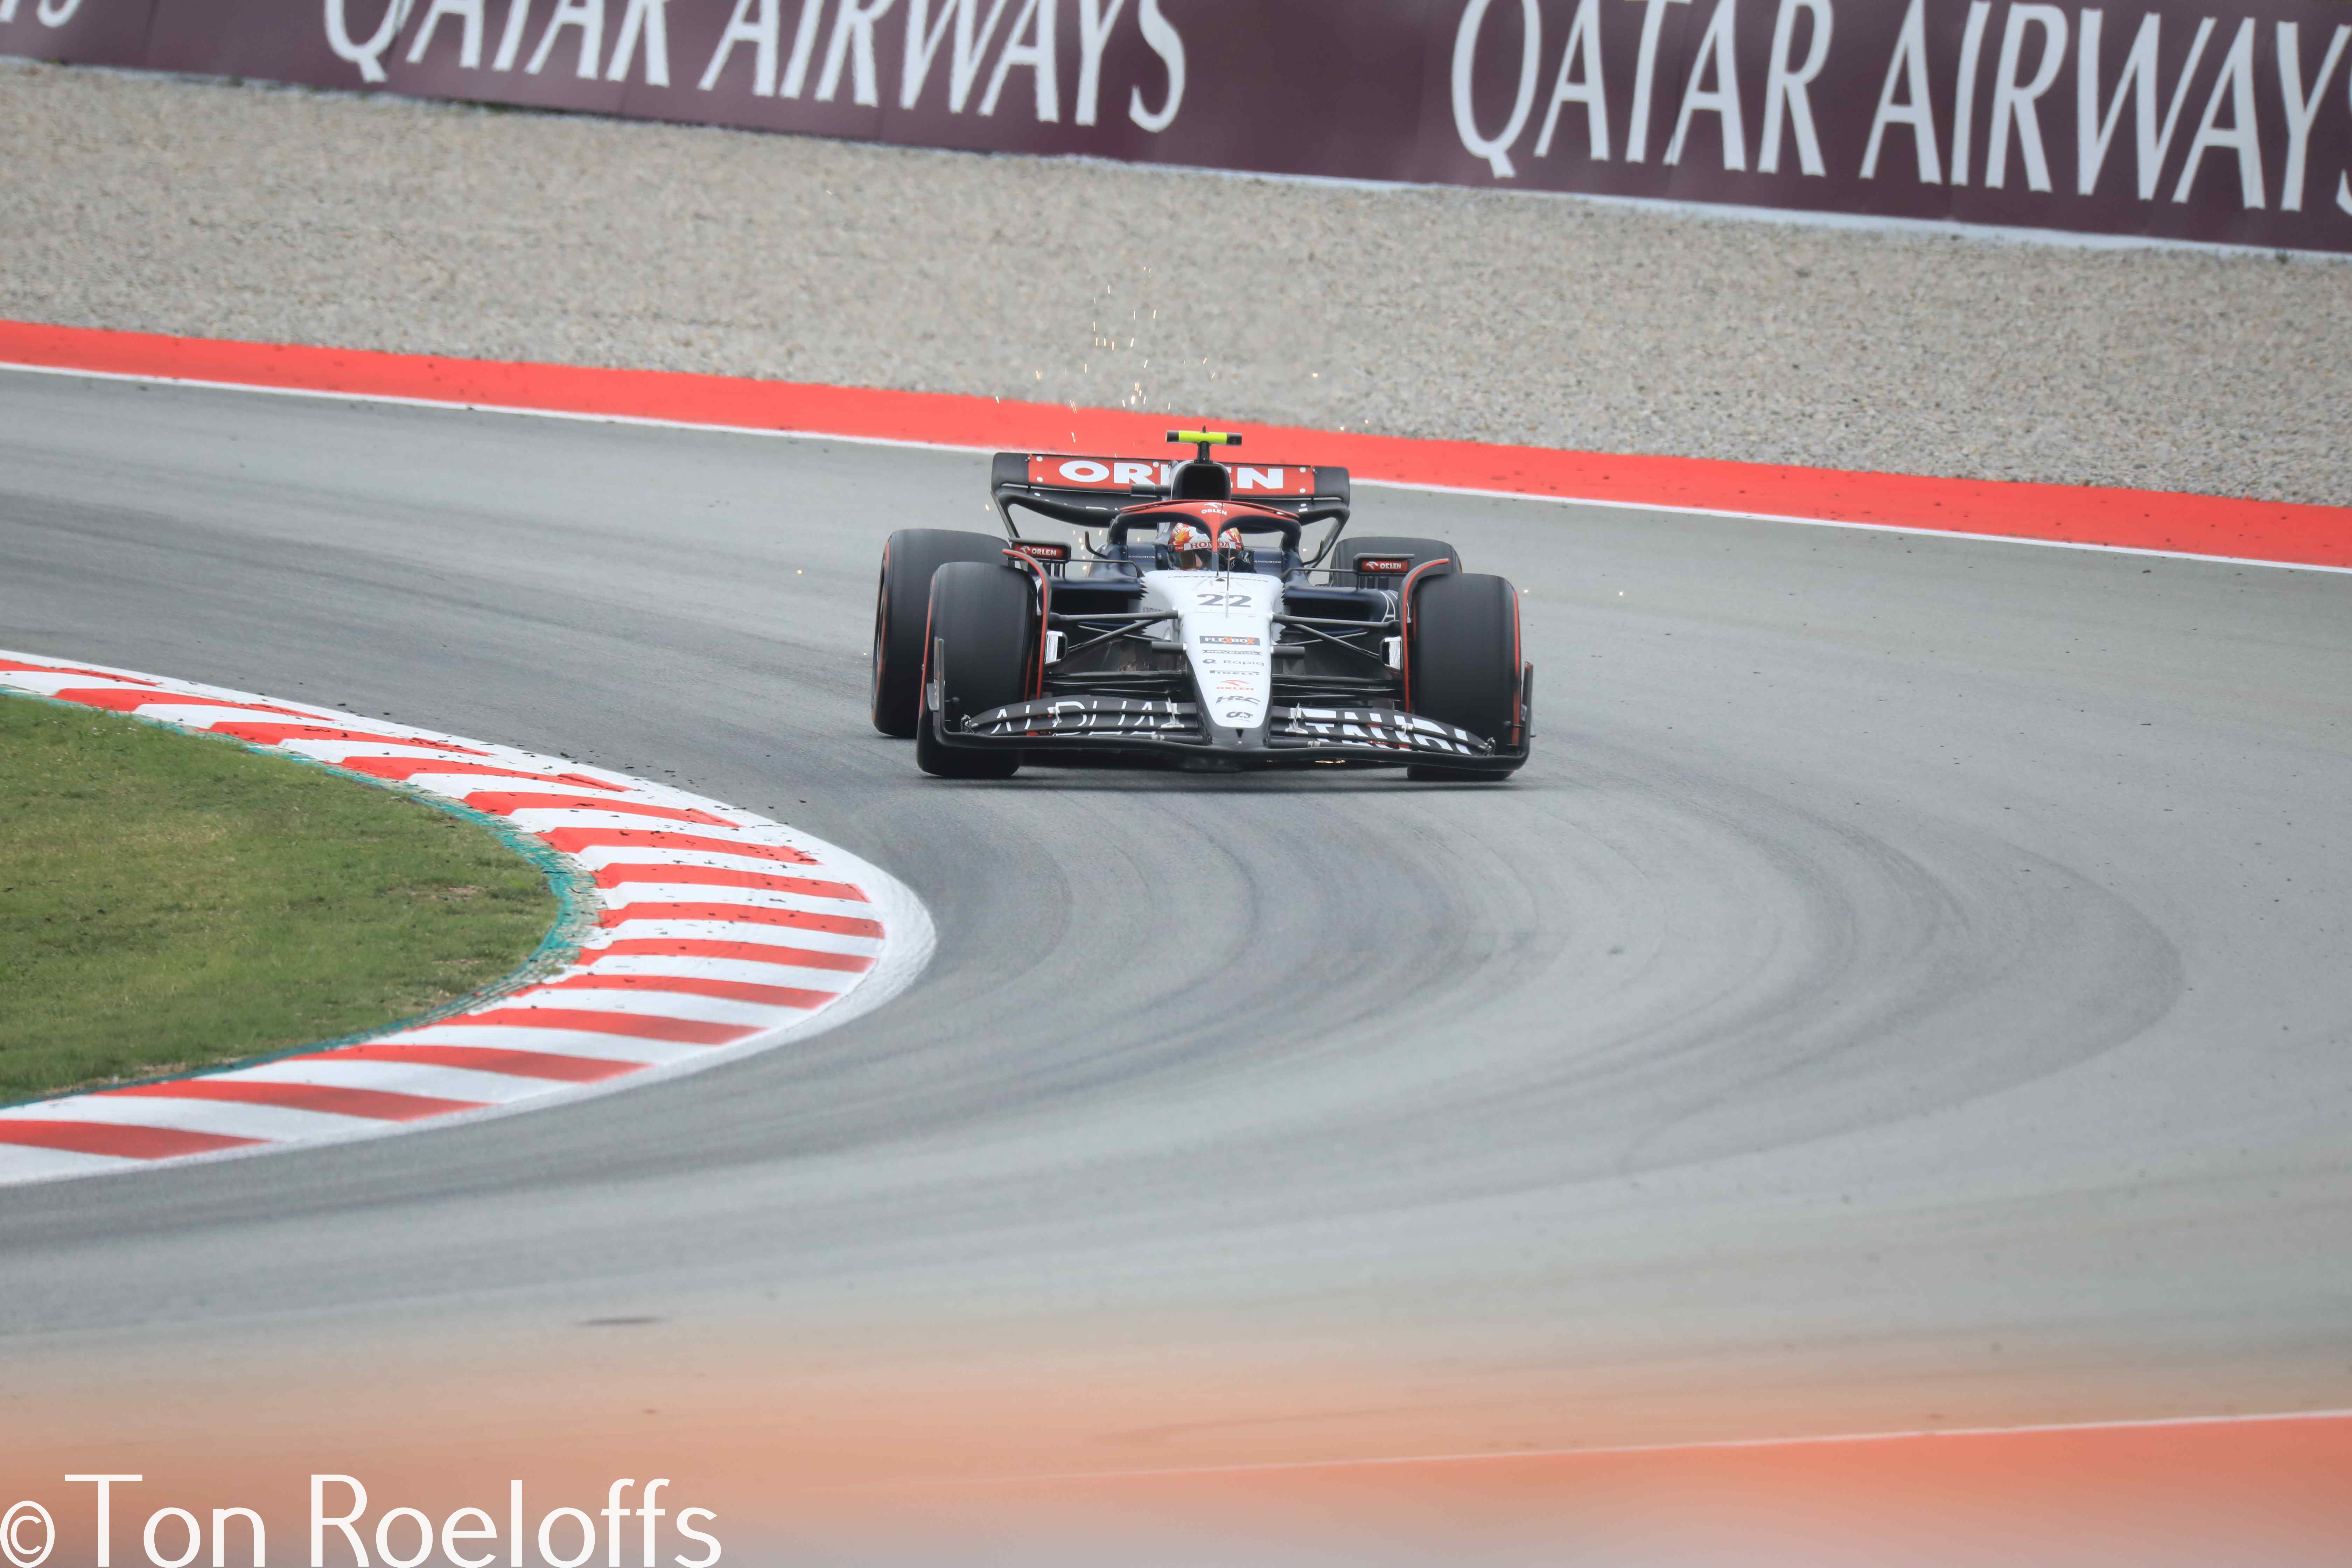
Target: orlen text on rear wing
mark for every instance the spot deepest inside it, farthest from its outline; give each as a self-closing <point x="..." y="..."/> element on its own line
<point x="1089" y="490"/>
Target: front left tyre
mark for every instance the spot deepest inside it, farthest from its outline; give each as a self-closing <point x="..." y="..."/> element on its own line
<point x="983" y="632"/>
<point x="910" y="559"/>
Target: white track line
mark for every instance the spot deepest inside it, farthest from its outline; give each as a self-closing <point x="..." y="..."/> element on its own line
<point x="794" y="936"/>
<point x="1912" y="531"/>
<point x="907" y="443"/>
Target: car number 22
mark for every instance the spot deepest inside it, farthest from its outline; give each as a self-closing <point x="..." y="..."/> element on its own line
<point x="1232" y="600"/>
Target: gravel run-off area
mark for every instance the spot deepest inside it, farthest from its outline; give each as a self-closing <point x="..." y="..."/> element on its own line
<point x="291" y="216"/>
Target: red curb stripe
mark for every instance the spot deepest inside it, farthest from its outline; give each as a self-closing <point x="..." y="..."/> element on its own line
<point x="2138" y="519"/>
<point x="693" y="985"/>
<point x="564" y="1057"/>
<point x="572" y="840"/>
<point x="376" y="1104"/>
<point x="722" y="877"/>
<point x="132" y="701"/>
<point x="405" y="768"/>
<point x="502" y="805"/>
<point x="125" y="1142"/>
<point x="744" y="914"/>
<point x="677" y="1031"/>
<point x="273" y="734"/>
<point x="742" y="952"/>
<point x="70" y="669"/>
<point x="484" y="1059"/>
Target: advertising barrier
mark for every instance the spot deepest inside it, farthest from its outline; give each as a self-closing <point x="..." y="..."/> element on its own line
<point x="2226" y="121"/>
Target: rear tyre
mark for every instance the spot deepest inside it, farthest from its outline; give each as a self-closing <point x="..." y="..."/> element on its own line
<point x="909" y="558"/>
<point x="1463" y="661"/>
<point x="1393" y="546"/>
<point x="982" y="627"/>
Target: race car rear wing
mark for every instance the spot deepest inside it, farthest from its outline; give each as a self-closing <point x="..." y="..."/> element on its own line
<point x="1089" y="490"/>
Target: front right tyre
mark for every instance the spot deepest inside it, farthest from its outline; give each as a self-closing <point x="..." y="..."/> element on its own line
<point x="1462" y="661"/>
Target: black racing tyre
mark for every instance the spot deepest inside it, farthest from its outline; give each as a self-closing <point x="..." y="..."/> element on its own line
<point x="983" y="624"/>
<point x="1394" y="546"/>
<point x="900" y="604"/>
<point x="1461" y="659"/>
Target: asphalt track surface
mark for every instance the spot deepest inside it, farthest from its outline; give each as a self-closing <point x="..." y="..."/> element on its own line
<point x="1907" y="990"/>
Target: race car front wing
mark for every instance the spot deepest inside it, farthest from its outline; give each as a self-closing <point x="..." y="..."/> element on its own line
<point x="1294" y="733"/>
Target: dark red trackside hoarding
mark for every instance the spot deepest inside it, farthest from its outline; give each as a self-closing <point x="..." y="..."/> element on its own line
<point x="2225" y="121"/>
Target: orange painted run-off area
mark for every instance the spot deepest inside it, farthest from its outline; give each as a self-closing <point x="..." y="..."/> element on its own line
<point x="2086" y="514"/>
<point x="2180" y="1495"/>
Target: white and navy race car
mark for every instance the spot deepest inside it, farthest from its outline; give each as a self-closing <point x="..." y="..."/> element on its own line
<point x="1184" y="622"/>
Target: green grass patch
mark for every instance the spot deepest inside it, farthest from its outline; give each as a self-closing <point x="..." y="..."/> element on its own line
<point x="171" y="902"/>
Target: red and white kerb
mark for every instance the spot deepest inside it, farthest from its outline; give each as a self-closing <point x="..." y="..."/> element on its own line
<point x="716" y="933"/>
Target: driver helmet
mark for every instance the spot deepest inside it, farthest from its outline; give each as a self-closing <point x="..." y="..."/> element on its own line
<point x="1189" y="547"/>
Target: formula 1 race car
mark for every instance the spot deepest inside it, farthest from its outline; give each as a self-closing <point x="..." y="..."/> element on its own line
<point x="1184" y="622"/>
